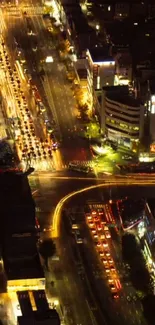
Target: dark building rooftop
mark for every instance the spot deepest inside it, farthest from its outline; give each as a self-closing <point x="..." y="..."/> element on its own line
<point x="100" y="54"/>
<point x="123" y="99"/>
<point x="24" y="302"/>
<point x="152" y="85"/>
<point x="24" y="264"/>
<point x="20" y="246"/>
<point x="121" y="94"/>
<point x="50" y="317"/>
<point x="17" y="208"/>
<point x="40" y="300"/>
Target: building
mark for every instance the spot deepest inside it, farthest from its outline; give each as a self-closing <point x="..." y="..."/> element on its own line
<point x="33" y="308"/>
<point x="103" y="66"/>
<point x="22" y="264"/>
<point x="77" y="27"/>
<point x="112" y="9"/>
<point x="123" y="73"/>
<point x="84" y="79"/>
<point x="131" y="212"/>
<point x="17" y="207"/>
<point x="49" y="318"/>
<point x="122" y="116"/>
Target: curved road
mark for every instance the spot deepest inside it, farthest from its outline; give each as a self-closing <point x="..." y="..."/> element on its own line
<point x="116" y="184"/>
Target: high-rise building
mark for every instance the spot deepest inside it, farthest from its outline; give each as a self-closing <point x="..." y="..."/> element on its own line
<point x="122" y="116"/>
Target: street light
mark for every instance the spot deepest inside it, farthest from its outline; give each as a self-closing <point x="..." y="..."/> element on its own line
<point x="97" y="27"/>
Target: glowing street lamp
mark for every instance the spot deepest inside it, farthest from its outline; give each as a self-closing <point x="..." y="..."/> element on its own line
<point x="97" y="27"/>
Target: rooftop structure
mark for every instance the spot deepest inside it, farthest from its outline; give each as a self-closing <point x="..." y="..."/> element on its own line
<point x="50" y="318"/>
<point x="34" y="309"/>
<point x="100" y="54"/>
<point x="102" y="65"/>
<point x="78" y="27"/>
<point x="21" y="260"/>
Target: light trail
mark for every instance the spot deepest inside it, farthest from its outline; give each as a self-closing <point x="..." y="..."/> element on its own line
<point x="57" y="212"/>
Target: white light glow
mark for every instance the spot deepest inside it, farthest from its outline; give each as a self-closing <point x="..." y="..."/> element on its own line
<point x="98" y="82"/>
<point x="105" y="63"/>
<point x="49" y="59"/>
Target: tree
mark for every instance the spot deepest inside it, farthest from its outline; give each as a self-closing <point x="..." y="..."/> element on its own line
<point x="141" y="278"/>
<point x="148" y="308"/>
<point x="139" y="273"/>
<point x="47" y="249"/>
<point x="129" y="247"/>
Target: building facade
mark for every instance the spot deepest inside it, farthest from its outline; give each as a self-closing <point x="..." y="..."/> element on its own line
<point x="122" y="118"/>
<point x="102" y="67"/>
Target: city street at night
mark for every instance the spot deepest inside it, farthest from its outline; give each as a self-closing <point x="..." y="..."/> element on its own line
<point x="77" y="163"/>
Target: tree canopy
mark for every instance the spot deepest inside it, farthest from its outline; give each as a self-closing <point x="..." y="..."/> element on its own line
<point x="132" y="254"/>
<point x="47" y="249"/>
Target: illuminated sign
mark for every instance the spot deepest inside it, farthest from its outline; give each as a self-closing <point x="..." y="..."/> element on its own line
<point x="105" y="63"/>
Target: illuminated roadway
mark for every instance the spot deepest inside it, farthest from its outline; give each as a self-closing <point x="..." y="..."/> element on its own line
<point x="52" y="187"/>
<point x="51" y="194"/>
<point x="60" y="99"/>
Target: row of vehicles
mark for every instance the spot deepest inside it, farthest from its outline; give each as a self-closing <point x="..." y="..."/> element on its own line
<point x="96" y="221"/>
<point x="75" y="229"/>
<point x="50" y="127"/>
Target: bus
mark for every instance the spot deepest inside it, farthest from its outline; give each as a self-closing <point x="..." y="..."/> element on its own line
<point x="82" y="169"/>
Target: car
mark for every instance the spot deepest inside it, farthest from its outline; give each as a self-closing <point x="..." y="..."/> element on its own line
<point x="104" y="243"/>
<point x="91" y="224"/>
<point x="110" y="261"/>
<point x="101" y="253"/>
<point x="78" y="237"/>
<point x="107" y="253"/>
<point x="47" y="228"/>
<point x="104" y="261"/>
<point x="115" y="295"/>
<point x="107" y="234"/>
<point x="99" y="228"/>
<point x="93" y="230"/>
<point x="112" y="287"/>
<point x="127" y="157"/>
<point x="107" y="268"/>
<point x="96" y="219"/>
<point x="112" y="269"/>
